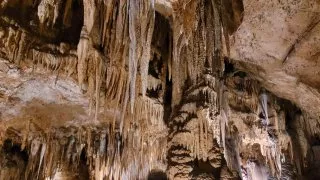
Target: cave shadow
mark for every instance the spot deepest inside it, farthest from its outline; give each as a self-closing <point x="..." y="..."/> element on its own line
<point x="157" y="175"/>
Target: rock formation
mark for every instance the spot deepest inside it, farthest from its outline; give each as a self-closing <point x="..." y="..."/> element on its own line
<point x="159" y="89"/>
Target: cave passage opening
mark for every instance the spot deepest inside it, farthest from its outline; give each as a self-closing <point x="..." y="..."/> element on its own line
<point x="161" y="55"/>
<point x="13" y="158"/>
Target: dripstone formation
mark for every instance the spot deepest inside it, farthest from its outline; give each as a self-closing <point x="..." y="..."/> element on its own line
<point x="159" y="89"/>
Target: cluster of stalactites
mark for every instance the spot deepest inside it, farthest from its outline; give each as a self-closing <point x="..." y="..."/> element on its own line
<point x="197" y="70"/>
<point x="110" y="77"/>
<point x="13" y="43"/>
<point x="126" y="48"/>
<point x="261" y="121"/>
<point x="49" y="11"/>
<point x="267" y="131"/>
<point x="197" y="43"/>
<point x="118" y="66"/>
<point x="100" y="151"/>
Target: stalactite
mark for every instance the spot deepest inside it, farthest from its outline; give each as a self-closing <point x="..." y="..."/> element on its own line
<point x="99" y="70"/>
<point x="54" y="63"/>
<point x="82" y="51"/>
<point x="49" y="156"/>
<point x="43" y="9"/>
<point x="264" y="103"/>
<point x="256" y="171"/>
<point x="223" y="135"/>
<point x="42" y="153"/>
<point x="147" y="26"/>
<point x="67" y="11"/>
<point x="133" y="51"/>
<point x="141" y="22"/>
<point x="22" y="48"/>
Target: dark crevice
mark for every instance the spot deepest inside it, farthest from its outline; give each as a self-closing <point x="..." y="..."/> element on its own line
<point x="161" y="53"/>
<point x="228" y="67"/>
<point x="232" y="14"/>
<point x="155" y="66"/>
<point x="157" y="175"/>
<point x="13" y="157"/>
<point x="71" y="33"/>
<point x="167" y="100"/>
<point x="154" y="93"/>
<point x="204" y="167"/>
<point x="83" y="167"/>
